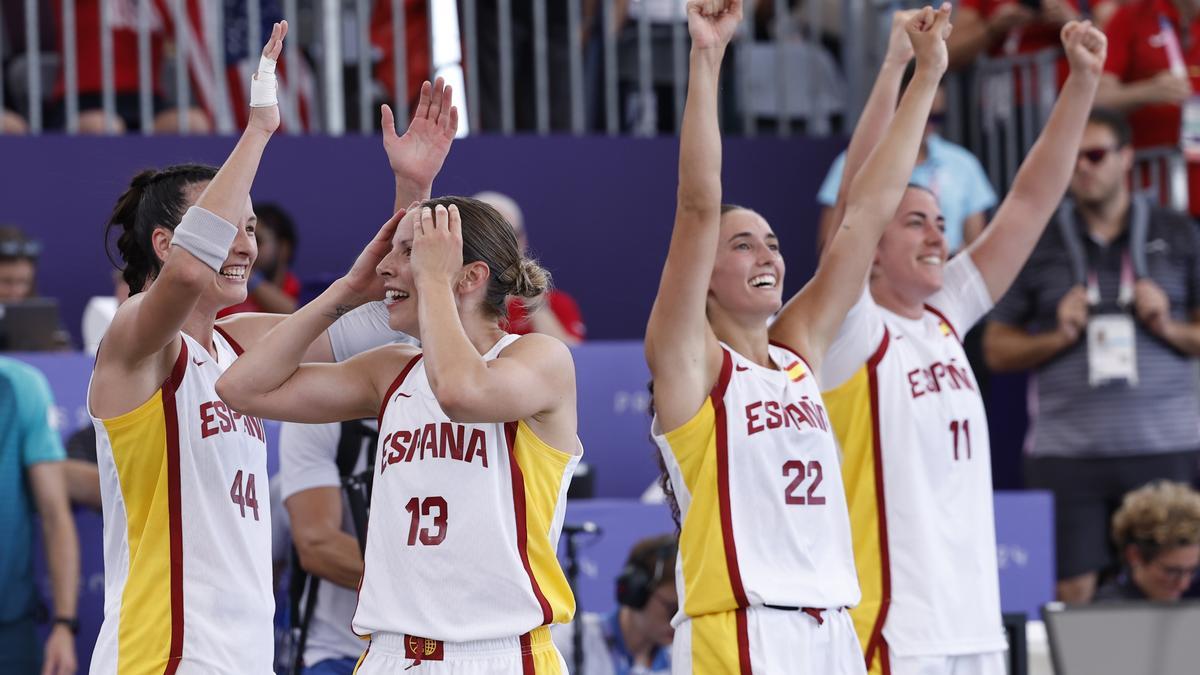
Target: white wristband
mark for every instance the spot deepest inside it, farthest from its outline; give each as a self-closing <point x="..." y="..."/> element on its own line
<point x="264" y="86"/>
<point x="206" y="236"/>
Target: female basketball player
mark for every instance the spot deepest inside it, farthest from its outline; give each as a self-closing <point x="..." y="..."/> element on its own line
<point x="907" y="410"/>
<point x="183" y="477"/>
<point x="477" y="442"/>
<point x="765" y="565"/>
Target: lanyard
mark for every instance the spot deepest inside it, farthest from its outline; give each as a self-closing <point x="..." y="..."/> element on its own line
<point x="1133" y="258"/>
<point x="1170" y="38"/>
<point x="1124" y="290"/>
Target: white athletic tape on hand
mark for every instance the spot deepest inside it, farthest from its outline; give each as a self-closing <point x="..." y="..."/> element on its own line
<point x="264" y="86"/>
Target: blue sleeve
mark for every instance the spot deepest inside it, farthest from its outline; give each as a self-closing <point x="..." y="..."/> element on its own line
<point x="40" y="442"/>
<point x="828" y="193"/>
<point x="980" y="194"/>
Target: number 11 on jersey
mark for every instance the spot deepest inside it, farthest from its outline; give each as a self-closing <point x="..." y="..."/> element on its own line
<point x="963" y="429"/>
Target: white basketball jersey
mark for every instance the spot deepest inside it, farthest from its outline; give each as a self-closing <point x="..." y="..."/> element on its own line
<point x="916" y="455"/>
<point x="187" y="530"/>
<point x="465" y="520"/>
<point x="759" y="485"/>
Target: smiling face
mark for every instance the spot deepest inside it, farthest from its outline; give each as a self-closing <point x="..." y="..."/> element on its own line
<point x="913" y="251"/>
<point x="396" y="270"/>
<point x="229" y="285"/>
<point x="747" y="277"/>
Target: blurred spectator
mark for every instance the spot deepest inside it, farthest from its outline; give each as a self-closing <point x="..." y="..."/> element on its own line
<point x="80" y="469"/>
<point x="12" y="123"/>
<point x="31" y="479"/>
<point x="315" y="462"/>
<point x="658" y="112"/>
<point x="100" y="311"/>
<point x="1117" y="410"/>
<point x="1157" y="532"/>
<point x="124" y="21"/>
<point x="18" y="264"/>
<point x="1153" y="67"/>
<point x="1008" y="27"/>
<point x="272" y="286"/>
<point x="558" y="315"/>
<point x="416" y="53"/>
<point x="636" y="637"/>
<point x="948" y="170"/>
<point x="487" y="21"/>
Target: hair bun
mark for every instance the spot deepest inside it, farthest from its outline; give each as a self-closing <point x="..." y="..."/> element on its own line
<point x="530" y="280"/>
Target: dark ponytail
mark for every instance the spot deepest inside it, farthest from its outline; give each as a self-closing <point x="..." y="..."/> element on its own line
<point x="154" y="199"/>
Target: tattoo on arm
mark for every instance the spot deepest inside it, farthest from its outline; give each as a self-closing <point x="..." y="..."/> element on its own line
<point x="339" y="311"/>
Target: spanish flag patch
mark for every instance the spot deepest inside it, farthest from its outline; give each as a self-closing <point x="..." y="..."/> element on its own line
<point x="797" y="371"/>
<point x="945" y="327"/>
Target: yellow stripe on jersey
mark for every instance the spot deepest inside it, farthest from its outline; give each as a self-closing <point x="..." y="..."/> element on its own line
<point x="543" y="469"/>
<point x="707" y="584"/>
<point x="715" y="644"/>
<point x="849" y="407"/>
<point x="139" y="448"/>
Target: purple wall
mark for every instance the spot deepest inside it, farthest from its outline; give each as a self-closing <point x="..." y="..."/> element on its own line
<point x="599" y="210"/>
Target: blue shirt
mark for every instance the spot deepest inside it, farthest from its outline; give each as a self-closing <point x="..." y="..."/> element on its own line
<point x="950" y="171"/>
<point x="26" y="438"/>
<point x="621" y="658"/>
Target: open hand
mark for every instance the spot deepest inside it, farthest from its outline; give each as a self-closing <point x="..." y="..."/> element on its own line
<point x="437" y="256"/>
<point x="417" y="156"/>
<point x="712" y="23"/>
<point x="928" y="30"/>
<point x="1086" y="47"/>
<point x="266" y="118"/>
<point x="362" y="278"/>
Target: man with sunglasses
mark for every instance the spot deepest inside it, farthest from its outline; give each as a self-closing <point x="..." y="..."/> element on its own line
<point x="1106" y="314"/>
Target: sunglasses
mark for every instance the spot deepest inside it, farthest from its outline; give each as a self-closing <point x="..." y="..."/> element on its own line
<point x="1095" y="155"/>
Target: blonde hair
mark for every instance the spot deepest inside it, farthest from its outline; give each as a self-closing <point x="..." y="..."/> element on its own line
<point x="1156" y="517"/>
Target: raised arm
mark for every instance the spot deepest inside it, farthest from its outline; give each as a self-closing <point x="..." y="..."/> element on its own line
<point x="417" y="156"/>
<point x="149" y="323"/>
<point x="268" y="380"/>
<point x="533" y="378"/>
<point x="810" y="320"/>
<point x="873" y="122"/>
<point x="1001" y="251"/>
<point x="681" y="349"/>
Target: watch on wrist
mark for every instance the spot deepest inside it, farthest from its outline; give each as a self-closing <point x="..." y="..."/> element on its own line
<point x="71" y="622"/>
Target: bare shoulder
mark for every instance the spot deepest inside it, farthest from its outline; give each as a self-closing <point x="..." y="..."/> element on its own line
<point x="537" y="348"/>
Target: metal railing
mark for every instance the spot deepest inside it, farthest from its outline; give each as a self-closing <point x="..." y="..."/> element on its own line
<point x="541" y="66"/>
<point x="1162" y="173"/>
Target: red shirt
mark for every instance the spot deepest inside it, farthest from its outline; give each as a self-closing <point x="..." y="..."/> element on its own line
<point x="1031" y="37"/>
<point x="291" y="286"/>
<point x="416" y="33"/>
<point x="565" y="309"/>
<point x="1136" y="52"/>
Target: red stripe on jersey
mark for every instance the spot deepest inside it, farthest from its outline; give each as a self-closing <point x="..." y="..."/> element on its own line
<point x="174" y="509"/>
<point x="876" y="642"/>
<point x="938" y="314"/>
<point x="743" y="638"/>
<point x="528" y="667"/>
<point x="718" y="403"/>
<point x="518" y="488"/>
<point x="885" y="659"/>
<point x="396" y="385"/>
<point x="237" y="348"/>
<point x="777" y="343"/>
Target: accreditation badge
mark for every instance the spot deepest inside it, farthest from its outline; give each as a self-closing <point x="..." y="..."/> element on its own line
<point x="1112" y="349"/>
